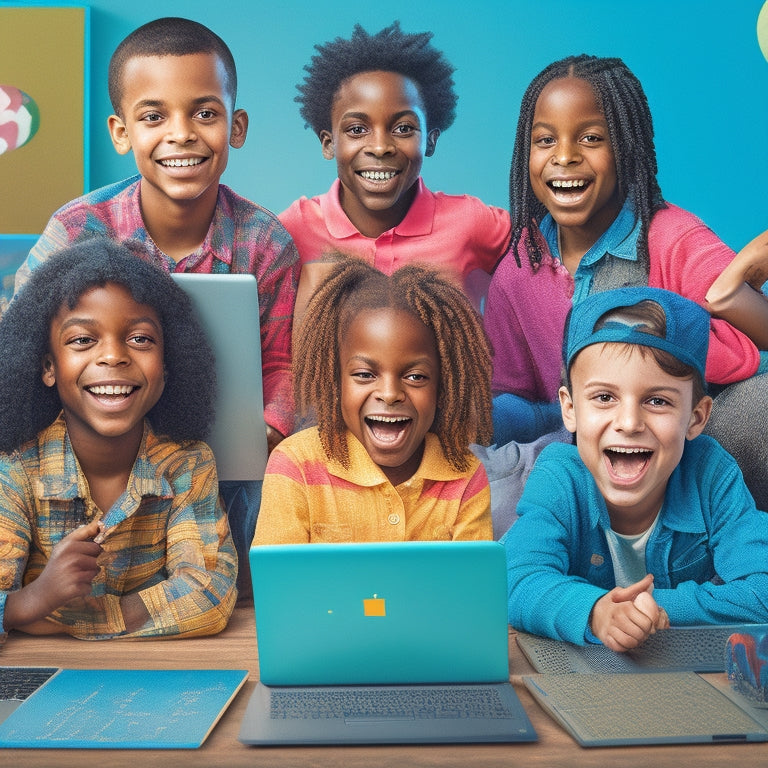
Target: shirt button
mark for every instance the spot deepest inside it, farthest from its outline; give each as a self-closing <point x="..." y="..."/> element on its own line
<point x="394" y="518"/>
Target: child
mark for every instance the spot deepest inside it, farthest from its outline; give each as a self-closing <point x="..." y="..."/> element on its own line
<point x="588" y="215"/>
<point x="645" y="521"/>
<point x="404" y="392"/>
<point x="110" y="523"/>
<point x="378" y="104"/>
<point x="173" y="86"/>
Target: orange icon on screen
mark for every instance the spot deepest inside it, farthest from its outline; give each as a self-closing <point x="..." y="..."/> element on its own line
<point x="374" y="606"/>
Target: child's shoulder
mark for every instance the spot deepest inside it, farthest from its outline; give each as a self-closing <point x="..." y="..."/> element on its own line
<point x="108" y="194"/>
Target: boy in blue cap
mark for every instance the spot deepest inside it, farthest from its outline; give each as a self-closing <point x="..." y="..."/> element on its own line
<point x="645" y="522"/>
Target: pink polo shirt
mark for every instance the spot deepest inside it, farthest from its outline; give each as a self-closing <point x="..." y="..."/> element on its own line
<point x="457" y="234"/>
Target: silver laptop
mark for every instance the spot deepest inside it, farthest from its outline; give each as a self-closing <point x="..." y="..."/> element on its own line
<point x="228" y="308"/>
<point x="677" y="649"/>
<point x="656" y="708"/>
<point x="382" y="643"/>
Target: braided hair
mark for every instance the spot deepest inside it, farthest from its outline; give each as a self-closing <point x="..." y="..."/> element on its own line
<point x="630" y="126"/>
<point x="389" y="50"/>
<point x="464" y="391"/>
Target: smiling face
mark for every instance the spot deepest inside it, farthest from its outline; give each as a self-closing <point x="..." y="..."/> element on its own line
<point x="176" y="116"/>
<point x="571" y="163"/>
<point x="106" y="361"/>
<point x="379" y="139"/>
<point x="390" y="375"/>
<point x="631" y="421"/>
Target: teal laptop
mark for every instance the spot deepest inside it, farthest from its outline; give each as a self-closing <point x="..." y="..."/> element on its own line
<point x="378" y="643"/>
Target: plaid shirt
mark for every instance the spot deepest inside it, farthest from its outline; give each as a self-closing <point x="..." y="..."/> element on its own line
<point x="166" y="537"/>
<point x="242" y="238"/>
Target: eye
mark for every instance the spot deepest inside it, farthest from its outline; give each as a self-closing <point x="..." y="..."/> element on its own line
<point x="603" y="398"/>
<point x="658" y="402"/>
<point x="362" y="376"/>
<point x="405" y="129"/>
<point x="355" y="130"/>
<point x="152" y="117"/>
<point x="417" y="378"/>
<point x="592" y="138"/>
<point x="80" y="341"/>
<point x="206" y="114"/>
<point x="543" y="141"/>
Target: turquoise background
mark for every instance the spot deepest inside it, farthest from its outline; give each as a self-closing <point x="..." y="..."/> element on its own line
<point x="699" y="62"/>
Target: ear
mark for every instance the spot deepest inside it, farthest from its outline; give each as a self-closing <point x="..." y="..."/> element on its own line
<point x="49" y="372"/>
<point x="432" y="138"/>
<point x="699" y="417"/>
<point x="567" y="409"/>
<point x="326" y="141"/>
<point x="119" y="135"/>
<point x="239" y="128"/>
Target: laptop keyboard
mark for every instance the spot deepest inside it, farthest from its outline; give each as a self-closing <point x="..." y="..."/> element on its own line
<point x="384" y="703"/>
<point x="19" y="683"/>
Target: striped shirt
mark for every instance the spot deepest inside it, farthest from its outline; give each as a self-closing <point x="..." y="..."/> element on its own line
<point x="243" y="238"/>
<point x="166" y="537"/>
<point x="309" y="498"/>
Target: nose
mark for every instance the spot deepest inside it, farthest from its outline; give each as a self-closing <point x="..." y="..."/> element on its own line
<point x="390" y="390"/>
<point x="180" y="129"/>
<point x="566" y="152"/>
<point x="628" y="417"/>
<point x="112" y="352"/>
<point x="380" y="143"/>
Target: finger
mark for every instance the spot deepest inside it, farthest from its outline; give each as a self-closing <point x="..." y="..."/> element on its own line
<point x="628" y="594"/>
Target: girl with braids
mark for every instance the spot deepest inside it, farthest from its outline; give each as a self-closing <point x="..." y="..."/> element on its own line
<point x="588" y="215"/>
<point x="397" y="371"/>
<point x="110" y="520"/>
<point x="378" y="103"/>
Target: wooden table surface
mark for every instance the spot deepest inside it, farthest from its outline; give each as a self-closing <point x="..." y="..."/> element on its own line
<point x="236" y="648"/>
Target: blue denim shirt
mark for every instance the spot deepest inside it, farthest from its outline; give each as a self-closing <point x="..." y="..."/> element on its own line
<point x="708" y="553"/>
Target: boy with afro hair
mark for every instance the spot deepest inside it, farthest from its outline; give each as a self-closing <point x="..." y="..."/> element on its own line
<point x="378" y="103"/>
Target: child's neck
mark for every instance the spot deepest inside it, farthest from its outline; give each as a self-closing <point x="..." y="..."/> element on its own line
<point x="106" y="462"/>
<point x="373" y="223"/>
<point x="573" y="244"/>
<point x="177" y="227"/>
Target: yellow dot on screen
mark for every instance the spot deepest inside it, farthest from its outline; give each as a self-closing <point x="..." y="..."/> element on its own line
<point x="762" y="29"/>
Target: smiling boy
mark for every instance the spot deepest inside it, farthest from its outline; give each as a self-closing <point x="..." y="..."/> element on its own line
<point x="645" y="522"/>
<point x="173" y="87"/>
<point x="378" y="104"/>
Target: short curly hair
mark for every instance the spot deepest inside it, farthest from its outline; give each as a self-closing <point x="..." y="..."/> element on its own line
<point x="185" y="409"/>
<point x="169" y="36"/>
<point x="463" y="411"/>
<point x="389" y="50"/>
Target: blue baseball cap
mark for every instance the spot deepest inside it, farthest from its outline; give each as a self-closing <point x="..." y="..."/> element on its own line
<point x="687" y="332"/>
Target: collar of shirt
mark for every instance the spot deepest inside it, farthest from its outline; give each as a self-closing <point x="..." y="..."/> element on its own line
<point x="364" y="472"/>
<point x="217" y="244"/>
<point x="61" y="478"/>
<point x="418" y="221"/>
<point x="620" y="240"/>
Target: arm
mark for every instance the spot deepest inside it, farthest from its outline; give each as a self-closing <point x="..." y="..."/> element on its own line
<point x="736" y="295"/>
<point x="284" y="512"/>
<point x="474" y="519"/>
<point x="54" y="238"/>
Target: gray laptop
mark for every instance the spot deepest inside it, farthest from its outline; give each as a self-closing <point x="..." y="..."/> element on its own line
<point x="382" y="643"/>
<point x="228" y="308"/>
<point x="655" y="708"/>
<point x="678" y="649"/>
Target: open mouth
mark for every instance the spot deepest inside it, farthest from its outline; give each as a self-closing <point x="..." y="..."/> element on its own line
<point x="387" y="429"/>
<point x="627" y="463"/>
<point x="182" y="162"/>
<point x="377" y="175"/>
<point x="112" y="391"/>
<point x="568" y="189"/>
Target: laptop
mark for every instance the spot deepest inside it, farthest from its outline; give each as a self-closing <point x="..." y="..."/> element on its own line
<point x="622" y="709"/>
<point x="382" y="643"/>
<point x="677" y="649"/>
<point x="228" y="309"/>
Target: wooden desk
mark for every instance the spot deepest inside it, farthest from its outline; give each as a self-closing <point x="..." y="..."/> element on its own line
<point x="236" y="648"/>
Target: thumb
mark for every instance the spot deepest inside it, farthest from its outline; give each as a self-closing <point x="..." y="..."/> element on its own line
<point x="85" y="532"/>
<point x="622" y="594"/>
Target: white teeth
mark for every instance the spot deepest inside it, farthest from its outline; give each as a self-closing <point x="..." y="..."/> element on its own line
<point x="388" y="419"/>
<point x="630" y="450"/>
<point x="109" y="389"/>
<point x="568" y="183"/>
<point x="378" y="175"/>
<point x="183" y="163"/>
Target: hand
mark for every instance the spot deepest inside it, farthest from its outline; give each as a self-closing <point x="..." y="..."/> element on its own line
<point x="624" y="617"/>
<point x="750" y="265"/>
<point x="67" y="575"/>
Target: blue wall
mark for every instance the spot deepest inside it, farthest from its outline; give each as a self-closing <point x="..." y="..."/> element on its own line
<point x="706" y="80"/>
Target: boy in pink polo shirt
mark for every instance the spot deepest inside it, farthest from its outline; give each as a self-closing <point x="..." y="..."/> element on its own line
<point x="378" y="104"/>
